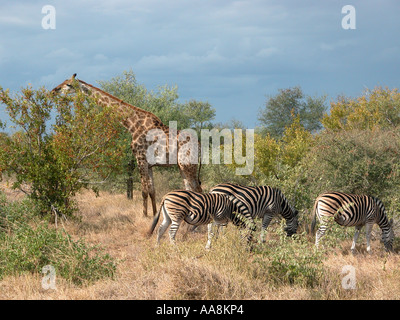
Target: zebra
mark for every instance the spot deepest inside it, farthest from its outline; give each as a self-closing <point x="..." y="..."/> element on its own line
<point x="196" y="209"/>
<point x="259" y="202"/>
<point x="351" y="210"/>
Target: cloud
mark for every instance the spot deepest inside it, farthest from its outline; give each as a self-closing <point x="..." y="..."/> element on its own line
<point x="181" y="62"/>
<point x="231" y="53"/>
<point x="267" y="52"/>
<point x="13" y="20"/>
<point x="63" y="54"/>
<point x="20" y="15"/>
<point x="337" y="45"/>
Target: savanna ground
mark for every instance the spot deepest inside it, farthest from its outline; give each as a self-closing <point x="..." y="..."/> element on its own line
<point x="188" y="271"/>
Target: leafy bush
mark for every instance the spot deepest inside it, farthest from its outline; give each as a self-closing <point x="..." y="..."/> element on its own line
<point x="356" y="161"/>
<point x="27" y="245"/>
<point x="376" y="108"/>
<point x="290" y="260"/>
<point x="50" y="163"/>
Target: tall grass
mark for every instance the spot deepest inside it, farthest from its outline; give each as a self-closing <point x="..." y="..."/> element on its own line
<point x="28" y="244"/>
<point x="281" y="268"/>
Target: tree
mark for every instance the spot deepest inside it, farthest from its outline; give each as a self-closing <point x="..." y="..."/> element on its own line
<point x="53" y="162"/>
<point x="356" y="161"/>
<point x="127" y="88"/>
<point x="377" y="108"/>
<point x="266" y="154"/>
<point x="272" y="154"/>
<point x="279" y="109"/>
<point x="163" y="102"/>
<point x="199" y="113"/>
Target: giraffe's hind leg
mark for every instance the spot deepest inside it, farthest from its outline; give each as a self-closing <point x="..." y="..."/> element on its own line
<point x="152" y="191"/>
<point x="145" y="181"/>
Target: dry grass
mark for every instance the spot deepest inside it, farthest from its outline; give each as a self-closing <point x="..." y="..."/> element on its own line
<point x="187" y="271"/>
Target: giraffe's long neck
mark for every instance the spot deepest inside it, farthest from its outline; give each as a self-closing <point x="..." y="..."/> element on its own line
<point x="132" y="117"/>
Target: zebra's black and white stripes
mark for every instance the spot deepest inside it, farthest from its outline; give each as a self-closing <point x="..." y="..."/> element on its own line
<point x="351" y="210"/>
<point x="259" y="202"/>
<point x="194" y="208"/>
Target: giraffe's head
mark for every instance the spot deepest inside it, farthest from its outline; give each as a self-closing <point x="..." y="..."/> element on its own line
<point x="68" y="85"/>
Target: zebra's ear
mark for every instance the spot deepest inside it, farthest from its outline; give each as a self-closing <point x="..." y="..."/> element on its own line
<point x="391" y="221"/>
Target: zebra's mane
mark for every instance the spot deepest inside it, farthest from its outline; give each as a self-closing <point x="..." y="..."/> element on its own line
<point x="284" y="199"/>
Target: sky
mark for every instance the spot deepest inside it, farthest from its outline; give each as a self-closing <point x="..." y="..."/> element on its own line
<point x="233" y="54"/>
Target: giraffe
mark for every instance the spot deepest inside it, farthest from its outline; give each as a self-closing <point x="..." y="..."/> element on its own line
<point x="139" y="122"/>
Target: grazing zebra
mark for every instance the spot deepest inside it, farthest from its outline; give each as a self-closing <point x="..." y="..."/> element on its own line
<point x="194" y="208"/>
<point x="259" y="202"/>
<point x="351" y="210"/>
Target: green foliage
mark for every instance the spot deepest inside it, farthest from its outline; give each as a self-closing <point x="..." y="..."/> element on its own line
<point x="358" y="152"/>
<point x="266" y="154"/>
<point x="357" y="161"/>
<point x="272" y="155"/>
<point x="295" y="142"/>
<point x="279" y="111"/>
<point x="377" y="108"/>
<point x="290" y="260"/>
<point x="27" y="245"/>
<point x="163" y="102"/>
<point x="50" y="162"/>
<point x="199" y="114"/>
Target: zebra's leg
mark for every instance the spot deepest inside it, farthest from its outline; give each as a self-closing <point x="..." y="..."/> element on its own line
<point x="210" y="227"/>
<point x="164" y="225"/>
<point x="356" y="234"/>
<point x="368" y="230"/>
<point x="210" y="234"/>
<point x="251" y="225"/>
<point x="221" y="229"/>
<point x="244" y="219"/>
<point x="321" y="230"/>
<point x="265" y="223"/>
<point x="173" y="229"/>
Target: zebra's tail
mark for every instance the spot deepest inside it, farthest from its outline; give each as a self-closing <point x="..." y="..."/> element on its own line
<point x="314" y="218"/>
<point x="155" y="221"/>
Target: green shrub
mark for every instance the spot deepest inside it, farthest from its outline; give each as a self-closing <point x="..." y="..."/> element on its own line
<point x="55" y="159"/>
<point x="290" y="260"/>
<point x="27" y="245"/>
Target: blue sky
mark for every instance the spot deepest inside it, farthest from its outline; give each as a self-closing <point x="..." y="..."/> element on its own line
<point x="233" y="54"/>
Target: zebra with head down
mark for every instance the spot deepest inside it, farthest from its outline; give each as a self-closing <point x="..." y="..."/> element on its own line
<point x="259" y="202"/>
<point x="351" y="210"/>
<point x="195" y="209"/>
